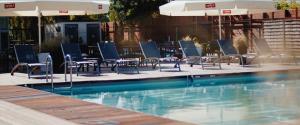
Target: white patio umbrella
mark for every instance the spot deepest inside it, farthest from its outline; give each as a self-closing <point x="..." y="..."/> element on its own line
<point x="216" y="8"/>
<point x="39" y="8"/>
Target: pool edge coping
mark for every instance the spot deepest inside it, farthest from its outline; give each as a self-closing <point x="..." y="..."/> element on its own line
<point x="209" y="75"/>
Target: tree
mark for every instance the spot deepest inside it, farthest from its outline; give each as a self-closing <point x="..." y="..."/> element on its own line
<point x="129" y="10"/>
<point x="132" y="12"/>
<point x="294" y="5"/>
<point x="285" y="4"/>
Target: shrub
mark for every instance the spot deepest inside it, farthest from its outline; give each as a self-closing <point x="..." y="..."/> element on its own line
<point x="207" y="46"/>
<point x="53" y="47"/>
<point x="240" y="43"/>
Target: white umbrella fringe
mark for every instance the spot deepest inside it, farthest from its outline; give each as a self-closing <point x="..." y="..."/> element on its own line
<point x="216" y="8"/>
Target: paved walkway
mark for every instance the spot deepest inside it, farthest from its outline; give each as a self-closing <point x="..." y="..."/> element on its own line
<point x="21" y="78"/>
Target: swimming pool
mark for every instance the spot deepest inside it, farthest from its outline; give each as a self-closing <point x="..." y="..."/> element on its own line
<point x="228" y="100"/>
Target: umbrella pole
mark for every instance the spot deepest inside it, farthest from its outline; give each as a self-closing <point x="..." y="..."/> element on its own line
<point x="40" y="34"/>
<point x="39" y="31"/>
<point x="220" y="27"/>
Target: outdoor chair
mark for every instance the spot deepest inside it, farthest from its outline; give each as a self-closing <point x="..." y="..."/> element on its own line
<point x="26" y="56"/>
<point x="151" y="53"/>
<point x="42" y="57"/>
<point x="109" y="54"/>
<point x="264" y="51"/>
<point x="228" y="50"/>
<point x="74" y="59"/>
<point x="195" y="57"/>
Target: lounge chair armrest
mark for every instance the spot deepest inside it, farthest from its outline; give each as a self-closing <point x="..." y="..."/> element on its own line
<point x="90" y="59"/>
<point x="169" y="59"/>
<point x="210" y="57"/>
<point x="193" y="57"/>
<point x="250" y="54"/>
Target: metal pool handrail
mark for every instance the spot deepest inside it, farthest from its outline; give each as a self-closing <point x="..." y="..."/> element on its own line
<point x="68" y="62"/>
<point x="49" y="62"/>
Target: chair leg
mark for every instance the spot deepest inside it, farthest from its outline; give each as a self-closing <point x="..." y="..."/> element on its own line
<point x="152" y="64"/>
<point x="28" y="72"/>
<point x="106" y="63"/>
<point x="219" y="63"/>
<point x="159" y="65"/>
<point x="137" y="68"/>
<point x="77" y="69"/>
<point x="98" y="67"/>
<point x="242" y="60"/>
<point x="14" y="69"/>
<point x="117" y="68"/>
<point x="113" y="67"/>
<point x="178" y="65"/>
<point x="201" y="61"/>
<point x="85" y="67"/>
<point x="229" y="60"/>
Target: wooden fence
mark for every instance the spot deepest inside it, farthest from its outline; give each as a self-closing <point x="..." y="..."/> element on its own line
<point x="283" y="35"/>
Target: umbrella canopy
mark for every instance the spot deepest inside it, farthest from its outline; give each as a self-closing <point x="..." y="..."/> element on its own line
<point x="216" y="8"/>
<point x="40" y="8"/>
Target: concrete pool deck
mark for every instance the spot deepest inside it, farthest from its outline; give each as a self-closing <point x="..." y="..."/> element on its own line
<point x="146" y="73"/>
<point x="69" y="111"/>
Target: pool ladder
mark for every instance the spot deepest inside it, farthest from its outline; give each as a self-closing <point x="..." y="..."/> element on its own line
<point x="49" y="62"/>
<point x="69" y="63"/>
<point x="49" y="66"/>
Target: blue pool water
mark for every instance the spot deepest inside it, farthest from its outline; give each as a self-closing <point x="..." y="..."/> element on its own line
<point x="230" y="100"/>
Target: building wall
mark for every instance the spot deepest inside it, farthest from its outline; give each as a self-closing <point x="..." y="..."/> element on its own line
<point x="51" y="30"/>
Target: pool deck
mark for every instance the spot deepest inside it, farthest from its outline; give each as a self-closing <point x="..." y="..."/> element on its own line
<point x="65" y="111"/>
<point x="17" y="101"/>
<point x="26" y="116"/>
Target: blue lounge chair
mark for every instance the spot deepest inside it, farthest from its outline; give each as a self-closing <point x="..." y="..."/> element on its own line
<point x="152" y="54"/>
<point x="264" y="51"/>
<point x="72" y="53"/>
<point x="226" y="47"/>
<point x="109" y="53"/>
<point x="26" y="56"/>
<point x="190" y="52"/>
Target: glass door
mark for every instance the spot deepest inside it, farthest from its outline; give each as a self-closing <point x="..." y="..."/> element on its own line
<point x="71" y="33"/>
<point x="93" y="34"/>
